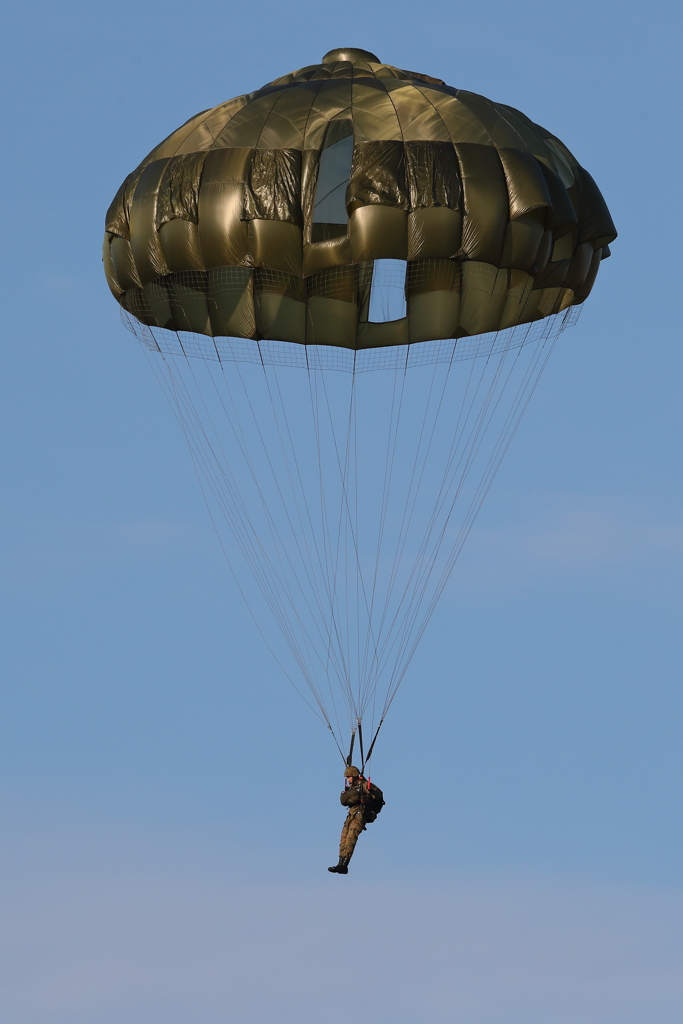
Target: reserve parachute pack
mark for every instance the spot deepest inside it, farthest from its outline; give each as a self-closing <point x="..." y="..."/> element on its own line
<point x="373" y="801"/>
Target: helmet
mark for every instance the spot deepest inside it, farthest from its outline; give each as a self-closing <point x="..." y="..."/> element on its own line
<point x="350" y="772"/>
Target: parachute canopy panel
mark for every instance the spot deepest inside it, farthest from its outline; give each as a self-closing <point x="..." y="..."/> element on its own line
<point x="264" y="217"/>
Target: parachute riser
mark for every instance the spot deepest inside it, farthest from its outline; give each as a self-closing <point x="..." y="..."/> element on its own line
<point x="365" y="758"/>
<point x="349" y="759"/>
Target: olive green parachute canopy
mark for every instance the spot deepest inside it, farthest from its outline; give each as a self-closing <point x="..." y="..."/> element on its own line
<point x="429" y="243"/>
<point x="263" y="217"/>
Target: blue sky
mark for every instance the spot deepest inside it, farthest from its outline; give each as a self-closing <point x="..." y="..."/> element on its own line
<point x="169" y="805"/>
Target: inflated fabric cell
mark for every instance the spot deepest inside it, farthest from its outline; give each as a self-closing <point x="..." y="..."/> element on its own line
<point x="124" y="266"/>
<point x="378" y="232"/>
<point x="180" y="245"/>
<point x="144" y="239"/>
<point x="223" y="234"/>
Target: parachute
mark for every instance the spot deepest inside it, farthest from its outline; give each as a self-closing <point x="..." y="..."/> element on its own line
<point x="348" y="283"/>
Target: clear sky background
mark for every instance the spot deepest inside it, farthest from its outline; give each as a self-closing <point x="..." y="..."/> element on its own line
<point x="169" y="805"/>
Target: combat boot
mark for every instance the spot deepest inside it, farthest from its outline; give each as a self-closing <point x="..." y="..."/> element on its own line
<point x="342" y="868"/>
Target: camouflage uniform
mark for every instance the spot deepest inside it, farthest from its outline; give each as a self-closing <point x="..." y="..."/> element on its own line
<point x="351" y="829"/>
<point x="355" y="820"/>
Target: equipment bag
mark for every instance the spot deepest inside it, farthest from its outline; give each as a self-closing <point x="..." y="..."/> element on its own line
<point x="373" y="802"/>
